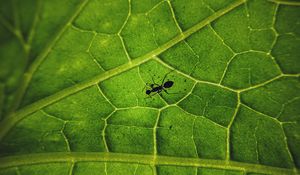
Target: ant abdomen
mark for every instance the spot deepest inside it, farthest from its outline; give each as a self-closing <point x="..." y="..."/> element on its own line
<point x="168" y="84"/>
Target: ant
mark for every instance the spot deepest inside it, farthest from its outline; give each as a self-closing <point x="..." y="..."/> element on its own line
<point x="159" y="88"/>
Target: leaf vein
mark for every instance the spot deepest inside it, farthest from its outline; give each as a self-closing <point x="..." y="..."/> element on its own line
<point x="38" y="158"/>
<point x="11" y="120"/>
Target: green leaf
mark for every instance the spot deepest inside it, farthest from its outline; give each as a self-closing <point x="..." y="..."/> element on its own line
<point x="74" y="76"/>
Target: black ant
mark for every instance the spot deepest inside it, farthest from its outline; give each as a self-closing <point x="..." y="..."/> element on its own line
<point x="156" y="88"/>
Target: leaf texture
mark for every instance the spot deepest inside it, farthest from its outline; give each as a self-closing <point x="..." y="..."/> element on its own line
<point x="72" y="96"/>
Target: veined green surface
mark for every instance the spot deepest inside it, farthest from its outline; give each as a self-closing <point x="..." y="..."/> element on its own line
<point x="72" y="76"/>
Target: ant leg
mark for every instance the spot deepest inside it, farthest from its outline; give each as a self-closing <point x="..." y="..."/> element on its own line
<point x="149" y="96"/>
<point x="154" y="82"/>
<point x="154" y="94"/>
<point x="166" y="91"/>
<point x="171" y="93"/>
<point x="166" y="76"/>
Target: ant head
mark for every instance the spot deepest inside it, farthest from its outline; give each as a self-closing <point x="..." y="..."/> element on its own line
<point x="168" y="84"/>
<point x="148" y="92"/>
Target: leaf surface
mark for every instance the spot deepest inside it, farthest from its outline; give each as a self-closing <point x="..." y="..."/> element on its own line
<point x="74" y="75"/>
